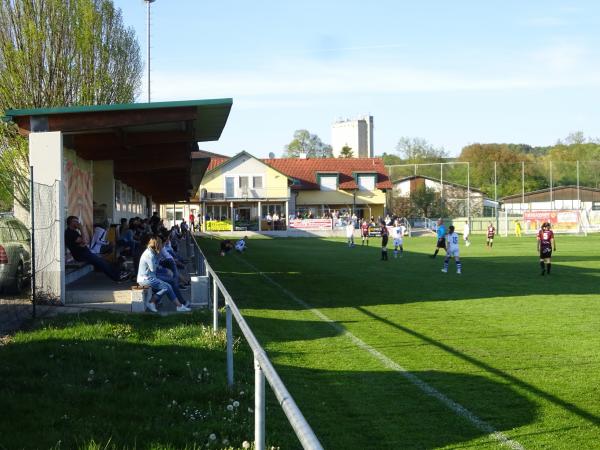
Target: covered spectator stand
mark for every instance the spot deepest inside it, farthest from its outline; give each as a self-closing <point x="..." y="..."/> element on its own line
<point x="107" y="162"/>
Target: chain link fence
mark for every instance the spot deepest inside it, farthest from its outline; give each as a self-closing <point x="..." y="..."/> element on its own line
<point x="39" y="250"/>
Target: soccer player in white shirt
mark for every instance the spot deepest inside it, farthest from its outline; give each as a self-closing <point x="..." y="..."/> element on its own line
<point x="452" y="250"/>
<point x="398" y="234"/>
<point x="240" y="245"/>
<point x="466" y="233"/>
<point x="350" y="233"/>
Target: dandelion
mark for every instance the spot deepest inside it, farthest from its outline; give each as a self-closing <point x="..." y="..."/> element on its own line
<point x="246" y="444"/>
<point x="236" y="404"/>
<point x="229" y="407"/>
<point x="92" y="372"/>
<point x="107" y="381"/>
<point x="134" y="374"/>
<point x="225" y="442"/>
<point x="174" y="402"/>
<point x="89" y="379"/>
<point x="242" y="393"/>
<point x="250" y="410"/>
<point x="187" y="364"/>
<point x="205" y="369"/>
<point x="212" y="437"/>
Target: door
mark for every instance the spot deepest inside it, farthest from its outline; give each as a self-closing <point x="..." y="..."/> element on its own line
<point x="243" y="215"/>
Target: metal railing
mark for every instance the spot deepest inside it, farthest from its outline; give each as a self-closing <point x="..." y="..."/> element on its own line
<point x="263" y="368"/>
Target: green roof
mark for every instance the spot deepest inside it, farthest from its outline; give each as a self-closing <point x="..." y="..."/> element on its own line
<point x="9" y="113"/>
<point x="210" y="115"/>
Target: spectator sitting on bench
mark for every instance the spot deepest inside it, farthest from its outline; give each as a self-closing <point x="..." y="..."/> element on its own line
<point x="81" y="252"/>
<point x="167" y="259"/>
<point x="147" y="277"/>
<point x="99" y="244"/>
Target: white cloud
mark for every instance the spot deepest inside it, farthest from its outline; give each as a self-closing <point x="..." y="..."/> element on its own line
<point x="290" y="84"/>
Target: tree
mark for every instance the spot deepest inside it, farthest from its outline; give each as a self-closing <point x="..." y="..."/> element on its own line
<point x="346" y="152"/>
<point x="309" y="144"/>
<point x="61" y="53"/>
<point x="417" y="150"/>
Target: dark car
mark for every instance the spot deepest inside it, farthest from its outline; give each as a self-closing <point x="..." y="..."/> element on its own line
<point x="15" y="254"/>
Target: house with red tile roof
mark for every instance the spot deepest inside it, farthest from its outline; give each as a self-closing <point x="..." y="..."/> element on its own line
<point x="253" y="192"/>
<point x="321" y="186"/>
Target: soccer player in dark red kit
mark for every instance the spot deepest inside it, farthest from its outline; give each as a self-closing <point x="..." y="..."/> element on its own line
<point x="491" y="232"/>
<point x="545" y="245"/>
<point x="384" y="240"/>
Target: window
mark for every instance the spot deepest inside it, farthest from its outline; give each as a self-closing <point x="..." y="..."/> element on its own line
<point x="229" y="187"/>
<point x="257" y="182"/>
<point x="366" y="182"/>
<point x="328" y="182"/>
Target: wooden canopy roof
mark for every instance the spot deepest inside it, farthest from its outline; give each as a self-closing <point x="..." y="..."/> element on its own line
<point x="153" y="145"/>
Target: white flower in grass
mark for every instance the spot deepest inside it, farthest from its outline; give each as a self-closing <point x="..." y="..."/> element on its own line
<point x="225" y="442"/>
<point x="92" y="372"/>
<point x="89" y="379"/>
<point x="236" y="404"/>
<point x="229" y="407"/>
<point x="212" y="437"/>
<point x="187" y="363"/>
<point x="242" y="392"/>
<point x="246" y="444"/>
<point x="205" y="369"/>
<point x="50" y="356"/>
<point x="250" y="410"/>
<point x="174" y="402"/>
<point x="134" y="374"/>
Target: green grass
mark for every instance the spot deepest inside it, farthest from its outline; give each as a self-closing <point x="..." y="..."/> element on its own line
<point x="103" y="381"/>
<point x="518" y="350"/>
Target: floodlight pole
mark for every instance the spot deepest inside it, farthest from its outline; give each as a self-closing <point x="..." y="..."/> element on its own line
<point x="148" y="42"/>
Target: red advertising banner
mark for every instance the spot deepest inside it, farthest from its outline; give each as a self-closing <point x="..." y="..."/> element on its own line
<point x="311" y="224"/>
<point x="558" y="219"/>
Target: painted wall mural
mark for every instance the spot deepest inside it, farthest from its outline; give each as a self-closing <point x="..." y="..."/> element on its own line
<point x="79" y="188"/>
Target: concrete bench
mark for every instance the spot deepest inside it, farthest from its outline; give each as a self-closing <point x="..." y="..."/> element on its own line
<point x="140" y="296"/>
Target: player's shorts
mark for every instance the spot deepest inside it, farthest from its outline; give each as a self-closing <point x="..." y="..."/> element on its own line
<point x="384" y="241"/>
<point x="453" y="252"/>
<point x="545" y="252"/>
<point x="365" y="234"/>
<point x="397" y="242"/>
<point x="490" y="237"/>
<point x="441" y="243"/>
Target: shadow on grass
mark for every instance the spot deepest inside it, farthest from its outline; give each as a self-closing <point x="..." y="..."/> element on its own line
<point x="123" y="380"/>
<point x="383" y="410"/>
<point x="574" y="409"/>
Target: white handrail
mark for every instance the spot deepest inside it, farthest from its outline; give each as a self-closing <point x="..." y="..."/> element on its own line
<point x="263" y="367"/>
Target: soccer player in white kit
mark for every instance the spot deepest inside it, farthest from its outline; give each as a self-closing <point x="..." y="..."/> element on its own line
<point x="452" y="250"/>
<point x="466" y="233"/>
<point x="350" y="233"/>
<point x="398" y="233"/>
<point x="240" y="245"/>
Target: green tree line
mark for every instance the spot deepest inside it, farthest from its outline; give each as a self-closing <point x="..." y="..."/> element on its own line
<point x="59" y="53"/>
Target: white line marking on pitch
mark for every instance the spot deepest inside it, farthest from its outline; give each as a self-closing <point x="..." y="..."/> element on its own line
<point x="390" y="364"/>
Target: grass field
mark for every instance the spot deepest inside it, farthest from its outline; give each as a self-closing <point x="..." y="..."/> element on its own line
<point x="396" y="354"/>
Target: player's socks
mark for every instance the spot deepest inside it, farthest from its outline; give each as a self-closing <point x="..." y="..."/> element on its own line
<point x="446" y="265"/>
<point x="458" y="267"/>
<point x="435" y="253"/>
<point x="395" y="253"/>
<point x="543" y="267"/>
<point x="548" y="266"/>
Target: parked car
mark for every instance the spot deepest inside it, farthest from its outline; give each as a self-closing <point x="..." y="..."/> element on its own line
<point x="15" y="253"/>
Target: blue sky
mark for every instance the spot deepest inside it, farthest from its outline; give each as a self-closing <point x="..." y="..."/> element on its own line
<point x="453" y="73"/>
